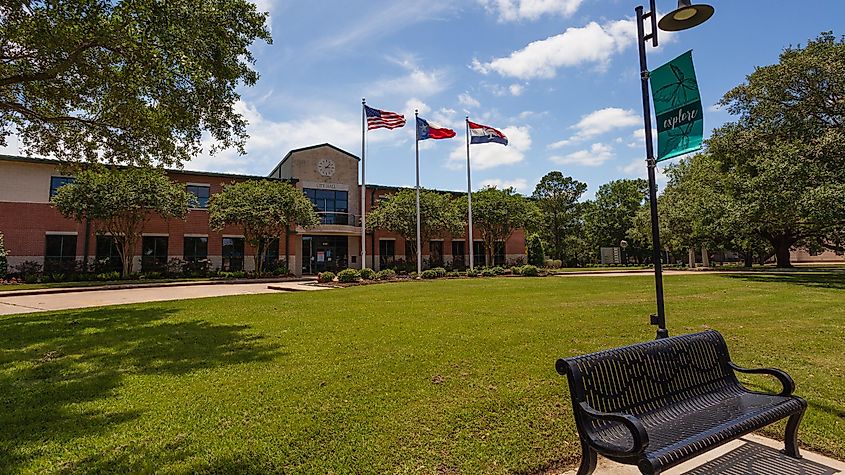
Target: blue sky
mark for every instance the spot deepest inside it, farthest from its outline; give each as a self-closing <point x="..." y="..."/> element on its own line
<point x="559" y="77"/>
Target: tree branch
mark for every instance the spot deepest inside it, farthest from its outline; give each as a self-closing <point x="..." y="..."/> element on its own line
<point x="50" y="73"/>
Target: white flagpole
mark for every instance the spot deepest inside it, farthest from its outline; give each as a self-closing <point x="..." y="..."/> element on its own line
<point x="363" y="185"/>
<point x="419" y="244"/>
<point x="469" y="203"/>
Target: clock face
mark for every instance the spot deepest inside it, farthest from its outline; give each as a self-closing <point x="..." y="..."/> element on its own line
<point x="325" y="167"/>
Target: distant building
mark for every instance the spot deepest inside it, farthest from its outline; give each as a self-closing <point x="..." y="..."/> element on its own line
<point x="35" y="231"/>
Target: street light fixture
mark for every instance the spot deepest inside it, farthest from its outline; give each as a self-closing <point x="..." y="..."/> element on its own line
<point x="684" y="17"/>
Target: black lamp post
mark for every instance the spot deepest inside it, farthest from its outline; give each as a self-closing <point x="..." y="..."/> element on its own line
<point x="684" y="17"/>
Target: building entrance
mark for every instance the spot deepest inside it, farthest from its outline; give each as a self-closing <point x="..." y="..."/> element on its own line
<point x="324" y="253"/>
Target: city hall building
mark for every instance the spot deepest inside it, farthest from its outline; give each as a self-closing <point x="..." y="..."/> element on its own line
<point x="36" y="232"/>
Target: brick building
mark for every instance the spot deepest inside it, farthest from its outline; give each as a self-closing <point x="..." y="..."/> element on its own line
<point x="35" y="231"/>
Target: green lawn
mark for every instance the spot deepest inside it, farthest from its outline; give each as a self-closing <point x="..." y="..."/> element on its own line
<point x="452" y="376"/>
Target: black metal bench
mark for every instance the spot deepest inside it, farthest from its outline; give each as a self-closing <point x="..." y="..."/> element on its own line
<point x="660" y="403"/>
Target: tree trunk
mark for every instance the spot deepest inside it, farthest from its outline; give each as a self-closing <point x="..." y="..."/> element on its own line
<point x="749" y="258"/>
<point x="691" y="255"/>
<point x="705" y="256"/>
<point x="782" y="254"/>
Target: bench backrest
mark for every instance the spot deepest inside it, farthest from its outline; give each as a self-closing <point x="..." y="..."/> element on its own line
<point x="640" y="378"/>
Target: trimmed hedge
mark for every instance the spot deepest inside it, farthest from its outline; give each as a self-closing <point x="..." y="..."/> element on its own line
<point x="348" y="275"/>
<point x="386" y="274"/>
<point x="324" y="277"/>
<point x="368" y="274"/>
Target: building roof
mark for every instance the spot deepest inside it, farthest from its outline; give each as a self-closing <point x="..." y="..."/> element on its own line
<point x="52" y="161"/>
<point x="312" y="147"/>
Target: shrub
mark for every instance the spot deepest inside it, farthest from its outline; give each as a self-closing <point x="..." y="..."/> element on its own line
<point x="498" y="270"/>
<point x="324" y="277"/>
<point x="529" y="271"/>
<point x="516" y="270"/>
<point x="348" y="275"/>
<point x="487" y="272"/>
<point x="152" y="275"/>
<point x="440" y="271"/>
<point x="232" y="275"/>
<point x="368" y="274"/>
<point x="536" y="254"/>
<point x="104" y="276"/>
<point x="473" y="272"/>
<point x="429" y="274"/>
<point x="386" y="274"/>
<point x="453" y="274"/>
<point x="28" y="268"/>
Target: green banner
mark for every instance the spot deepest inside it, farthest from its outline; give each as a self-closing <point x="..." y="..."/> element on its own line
<point x="677" y="105"/>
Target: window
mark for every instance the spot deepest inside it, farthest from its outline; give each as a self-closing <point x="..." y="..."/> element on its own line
<point x="201" y="192"/>
<point x="478" y="253"/>
<point x="60" y="253"/>
<point x="108" y="257"/>
<point x="435" y="253"/>
<point x="499" y="257"/>
<point x="154" y="253"/>
<point x="458" y="254"/>
<point x="386" y="252"/>
<point x="196" y="251"/>
<point x="233" y="254"/>
<point x="57" y="182"/>
<point x="333" y="206"/>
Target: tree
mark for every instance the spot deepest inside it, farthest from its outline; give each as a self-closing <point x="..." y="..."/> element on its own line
<point x="783" y="161"/>
<point x="536" y="253"/>
<point x="496" y="214"/>
<point x="4" y="263"/>
<point x="134" y="82"/>
<point x="611" y="214"/>
<point x="264" y="209"/>
<point x="120" y="201"/>
<point x="557" y="197"/>
<point x="439" y="215"/>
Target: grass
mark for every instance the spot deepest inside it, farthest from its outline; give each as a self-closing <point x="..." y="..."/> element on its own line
<point x="452" y="376"/>
<point x="89" y="283"/>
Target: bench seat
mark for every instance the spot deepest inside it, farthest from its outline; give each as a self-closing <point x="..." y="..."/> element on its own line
<point x="658" y="404"/>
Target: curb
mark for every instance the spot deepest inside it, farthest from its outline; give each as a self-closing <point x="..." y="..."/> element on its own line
<point x="94" y="288"/>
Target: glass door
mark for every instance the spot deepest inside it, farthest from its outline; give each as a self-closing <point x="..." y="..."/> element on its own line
<point x="307" y="255"/>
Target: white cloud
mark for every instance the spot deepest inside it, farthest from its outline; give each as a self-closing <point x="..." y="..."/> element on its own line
<point x="604" y="120"/>
<point x="516" y="89"/>
<point x="559" y="144"/>
<point x="515" y="10"/>
<point x="519" y="184"/>
<point x="637" y="168"/>
<point x="492" y="155"/>
<point x="591" y="44"/>
<point x="415" y="81"/>
<point x="594" y="157"/>
<point x="466" y="100"/>
<point x="269" y="140"/>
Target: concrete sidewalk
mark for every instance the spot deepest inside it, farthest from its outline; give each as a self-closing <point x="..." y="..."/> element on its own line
<point x="13" y="304"/>
<point x="749" y="455"/>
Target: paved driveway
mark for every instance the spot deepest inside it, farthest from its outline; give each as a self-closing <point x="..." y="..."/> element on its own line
<point x="96" y="298"/>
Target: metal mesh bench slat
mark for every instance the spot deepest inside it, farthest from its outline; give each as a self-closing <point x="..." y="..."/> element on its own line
<point x="682" y="391"/>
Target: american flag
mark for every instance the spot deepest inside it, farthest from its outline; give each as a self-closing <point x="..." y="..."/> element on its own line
<point x="378" y="119"/>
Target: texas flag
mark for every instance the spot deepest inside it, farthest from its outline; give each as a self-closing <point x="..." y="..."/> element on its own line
<point x="426" y="131"/>
<point x="484" y="134"/>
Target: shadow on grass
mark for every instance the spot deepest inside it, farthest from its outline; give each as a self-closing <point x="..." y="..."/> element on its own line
<point x="52" y="364"/>
<point x="832" y="279"/>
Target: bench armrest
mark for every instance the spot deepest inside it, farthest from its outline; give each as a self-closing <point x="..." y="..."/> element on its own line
<point x="631" y="423"/>
<point x="785" y="379"/>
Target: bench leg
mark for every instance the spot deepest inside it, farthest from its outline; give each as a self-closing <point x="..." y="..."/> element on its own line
<point x="791" y="438"/>
<point x="588" y="459"/>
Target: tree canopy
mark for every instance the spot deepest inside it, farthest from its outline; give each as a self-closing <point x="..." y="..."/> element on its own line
<point x="440" y="214"/>
<point x="783" y="161"/>
<point x="120" y="201"/>
<point x="610" y="215"/>
<point x="497" y="213"/>
<point x="264" y="209"/>
<point x="133" y="82"/>
<point x="557" y="197"/>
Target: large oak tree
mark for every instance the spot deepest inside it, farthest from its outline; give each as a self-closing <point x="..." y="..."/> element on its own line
<point x="132" y="82"/>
